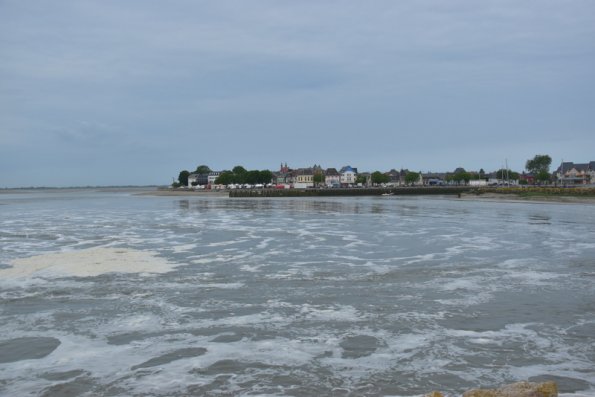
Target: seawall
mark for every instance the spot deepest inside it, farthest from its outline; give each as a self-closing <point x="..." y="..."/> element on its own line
<point x="430" y="190"/>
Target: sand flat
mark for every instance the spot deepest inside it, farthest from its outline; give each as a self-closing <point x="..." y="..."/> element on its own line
<point x="87" y="263"/>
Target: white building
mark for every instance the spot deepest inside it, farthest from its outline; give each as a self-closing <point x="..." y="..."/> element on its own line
<point x="348" y="175"/>
<point x="213" y="175"/>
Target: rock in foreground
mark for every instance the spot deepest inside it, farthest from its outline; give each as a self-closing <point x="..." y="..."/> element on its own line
<point x="519" y="389"/>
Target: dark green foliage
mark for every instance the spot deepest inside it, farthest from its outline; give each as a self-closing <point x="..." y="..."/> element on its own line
<point x="239" y="175"/>
<point x="543" y="176"/>
<point x="183" y="178"/>
<point x="225" y="178"/>
<point x="540" y="167"/>
<point x="539" y="163"/>
<point x="411" y="177"/>
<point x="202" y="169"/>
<point x="378" y="178"/>
<point x="266" y="176"/>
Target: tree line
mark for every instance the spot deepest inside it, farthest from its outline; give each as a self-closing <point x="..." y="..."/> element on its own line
<point x="538" y="166"/>
<point x="238" y="175"/>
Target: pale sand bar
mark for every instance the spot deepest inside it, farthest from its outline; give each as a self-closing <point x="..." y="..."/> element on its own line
<point x="87" y="263"/>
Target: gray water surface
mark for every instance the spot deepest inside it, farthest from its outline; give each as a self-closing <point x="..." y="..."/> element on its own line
<point x="299" y="297"/>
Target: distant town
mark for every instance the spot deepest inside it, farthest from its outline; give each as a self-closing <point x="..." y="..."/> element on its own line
<point x="537" y="172"/>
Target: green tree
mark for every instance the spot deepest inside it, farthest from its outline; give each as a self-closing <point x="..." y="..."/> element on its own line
<point x="266" y="176"/>
<point x="411" y="177"/>
<point x="318" y="178"/>
<point x="360" y="179"/>
<point x="252" y="177"/>
<point x="378" y="177"/>
<point x="543" y="176"/>
<point x="203" y="169"/>
<point x="183" y="178"/>
<point x="539" y="166"/>
<point x="225" y="178"/>
<point x="238" y="169"/>
<point x="539" y="163"/>
<point x="459" y="177"/>
<point x="240" y="174"/>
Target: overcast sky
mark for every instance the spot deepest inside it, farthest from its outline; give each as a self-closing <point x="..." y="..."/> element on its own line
<point x="131" y="92"/>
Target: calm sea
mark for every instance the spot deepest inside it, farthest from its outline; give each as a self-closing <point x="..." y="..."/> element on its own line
<point x="299" y="297"/>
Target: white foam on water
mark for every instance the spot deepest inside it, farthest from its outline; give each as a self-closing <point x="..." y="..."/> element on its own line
<point x="225" y="243"/>
<point x="221" y="285"/>
<point x="87" y="263"/>
<point x="251" y="269"/>
<point x="533" y="278"/>
<point x="264" y="243"/>
<point x="334" y="313"/>
<point x="183" y="248"/>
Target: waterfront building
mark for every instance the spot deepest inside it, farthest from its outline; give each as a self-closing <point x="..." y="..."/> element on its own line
<point x="196" y="179"/>
<point x="348" y="175"/>
<point x="304" y="178"/>
<point x="576" y="173"/>
<point x="212" y="177"/>
<point x="332" y="177"/>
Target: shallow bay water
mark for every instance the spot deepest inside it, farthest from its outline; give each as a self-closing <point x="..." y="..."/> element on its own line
<point x="295" y="296"/>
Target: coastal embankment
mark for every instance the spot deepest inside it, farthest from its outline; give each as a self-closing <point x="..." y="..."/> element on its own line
<point x="326" y="192"/>
<point x="510" y="194"/>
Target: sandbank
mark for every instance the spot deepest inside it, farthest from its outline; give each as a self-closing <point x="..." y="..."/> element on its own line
<point x="513" y="197"/>
<point x="87" y="263"/>
<point x="183" y="192"/>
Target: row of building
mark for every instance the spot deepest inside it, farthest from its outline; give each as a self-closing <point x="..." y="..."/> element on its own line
<point x="568" y="173"/>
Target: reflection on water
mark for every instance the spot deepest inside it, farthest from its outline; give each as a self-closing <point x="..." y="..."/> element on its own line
<point x="539" y="219"/>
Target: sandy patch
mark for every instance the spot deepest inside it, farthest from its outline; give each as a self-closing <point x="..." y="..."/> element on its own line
<point x="88" y="263"/>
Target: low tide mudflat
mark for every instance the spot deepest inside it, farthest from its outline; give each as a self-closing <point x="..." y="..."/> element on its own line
<point x="120" y="294"/>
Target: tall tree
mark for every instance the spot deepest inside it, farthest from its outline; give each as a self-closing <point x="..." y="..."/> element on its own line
<point x="203" y="169"/>
<point x="238" y="169"/>
<point x="539" y="166"/>
<point x="183" y="177"/>
<point x="266" y="176"/>
<point x="539" y="163"/>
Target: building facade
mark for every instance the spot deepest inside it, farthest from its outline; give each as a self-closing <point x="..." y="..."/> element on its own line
<point x="569" y="173"/>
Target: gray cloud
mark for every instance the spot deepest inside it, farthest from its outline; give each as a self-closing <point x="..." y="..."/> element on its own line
<point x="419" y="84"/>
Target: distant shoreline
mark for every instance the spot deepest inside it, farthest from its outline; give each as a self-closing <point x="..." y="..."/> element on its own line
<point x="537" y="199"/>
<point x="544" y="197"/>
<point x="470" y="195"/>
<point x="195" y="193"/>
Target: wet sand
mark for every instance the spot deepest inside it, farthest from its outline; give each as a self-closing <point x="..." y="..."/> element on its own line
<point x="195" y="193"/>
<point x="511" y="197"/>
